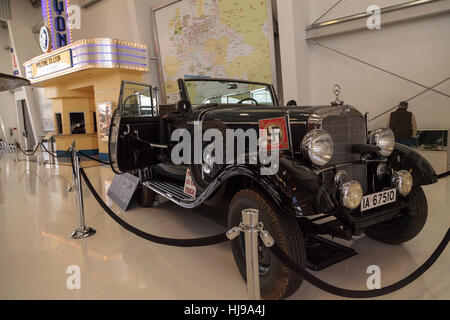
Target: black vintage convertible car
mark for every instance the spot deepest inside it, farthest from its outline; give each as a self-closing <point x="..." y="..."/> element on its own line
<point x="332" y="177"/>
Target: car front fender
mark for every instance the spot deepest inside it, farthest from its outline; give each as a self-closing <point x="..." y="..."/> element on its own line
<point x="304" y="187"/>
<point x="405" y="158"/>
<point x="295" y="188"/>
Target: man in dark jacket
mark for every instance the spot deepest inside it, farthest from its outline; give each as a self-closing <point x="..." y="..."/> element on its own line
<point x="404" y="124"/>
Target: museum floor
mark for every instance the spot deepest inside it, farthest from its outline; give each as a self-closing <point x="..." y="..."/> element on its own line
<point x="37" y="216"/>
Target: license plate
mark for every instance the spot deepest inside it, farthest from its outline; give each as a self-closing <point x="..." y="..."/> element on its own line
<point x="378" y="199"/>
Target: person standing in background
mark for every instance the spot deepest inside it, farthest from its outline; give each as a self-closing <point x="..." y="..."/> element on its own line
<point x="404" y="124"/>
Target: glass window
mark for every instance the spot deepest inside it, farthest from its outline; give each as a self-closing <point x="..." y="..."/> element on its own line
<point x="77" y="123"/>
<point x="95" y="121"/>
<point x="201" y="92"/>
<point x="137" y="100"/>
<point x="59" y="125"/>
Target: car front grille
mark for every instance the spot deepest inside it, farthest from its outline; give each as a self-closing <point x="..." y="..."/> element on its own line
<point x="346" y="131"/>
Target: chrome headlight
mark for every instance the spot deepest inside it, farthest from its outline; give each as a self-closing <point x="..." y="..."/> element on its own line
<point x="208" y="159"/>
<point x="318" y="146"/>
<point x="351" y="194"/>
<point x="385" y="139"/>
<point x="403" y="180"/>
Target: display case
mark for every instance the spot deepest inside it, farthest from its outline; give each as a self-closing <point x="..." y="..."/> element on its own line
<point x="432" y="140"/>
<point x="432" y="144"/>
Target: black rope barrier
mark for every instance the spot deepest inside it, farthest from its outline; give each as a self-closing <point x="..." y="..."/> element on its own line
<point x="72" y="162"/>
<point x="360" y="294"/>
<point x="277" y="252"/>
<point x="93" y="159"/>
<point x="55" y="155"/>
<point x="444" y="175"/>
<point x="185" y="243"/>
<point x="28" y="154"/>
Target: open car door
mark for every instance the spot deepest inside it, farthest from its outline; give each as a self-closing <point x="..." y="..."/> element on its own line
<point x="136" y="131"/>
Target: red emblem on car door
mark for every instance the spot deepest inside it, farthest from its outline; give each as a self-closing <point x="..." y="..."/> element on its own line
<point x="273" y="126"/>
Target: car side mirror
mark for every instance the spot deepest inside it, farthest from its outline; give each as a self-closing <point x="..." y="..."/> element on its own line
<point x="184" y="106"/>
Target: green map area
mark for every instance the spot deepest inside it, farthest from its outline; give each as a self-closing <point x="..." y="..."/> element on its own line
<point x="214" y="38"/>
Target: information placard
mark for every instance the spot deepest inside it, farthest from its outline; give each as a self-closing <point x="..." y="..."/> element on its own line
<point x="122" y="189"/>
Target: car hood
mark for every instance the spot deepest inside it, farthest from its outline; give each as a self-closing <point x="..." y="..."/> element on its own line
<point x="300" y="118"/>
<point x="236" y="114"/>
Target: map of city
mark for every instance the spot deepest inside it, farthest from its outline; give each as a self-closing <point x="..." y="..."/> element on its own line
<point x="214" y="38"/>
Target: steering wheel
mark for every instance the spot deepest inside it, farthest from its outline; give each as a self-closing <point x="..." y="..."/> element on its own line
<point x="248" y="99"/>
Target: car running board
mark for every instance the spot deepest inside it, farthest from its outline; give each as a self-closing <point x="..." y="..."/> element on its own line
<point x="175" y="193"/>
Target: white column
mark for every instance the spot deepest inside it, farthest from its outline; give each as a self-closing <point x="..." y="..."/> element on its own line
<point x="293" y="18"/>
<point x="141" y="24"/>
<point x="25" y="48"/>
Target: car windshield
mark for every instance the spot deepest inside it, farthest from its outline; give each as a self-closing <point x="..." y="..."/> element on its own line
<point x="203" y="92"/>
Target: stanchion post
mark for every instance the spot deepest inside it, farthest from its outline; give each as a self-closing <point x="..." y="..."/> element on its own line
<point x="52" y="150"/>
<point x="73" y="187"/>
<point x="16" y="148"/>
<point x="253" y="231"/>
<point x="42" y="154"/>
<point x="82" y="232"/>
<point x="251" y="228"/>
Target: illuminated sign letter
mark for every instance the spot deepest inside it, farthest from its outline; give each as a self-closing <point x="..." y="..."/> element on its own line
<point x="61" y="40"/>
<point x="58" y="6"/>
<point x="60" y="24"/>
<point x="56" y="15"/>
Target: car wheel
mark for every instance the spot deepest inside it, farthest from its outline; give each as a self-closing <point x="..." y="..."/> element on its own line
<point x="405" y="227"/>
<point x="276" y="280"/>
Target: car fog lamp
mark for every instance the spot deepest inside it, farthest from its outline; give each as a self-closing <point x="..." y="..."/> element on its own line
<point x="351" y="194"/>
<point x="403" y="180"/>
<point x="385" y="139"/>
<point x="318" y="145"/>
<point x="381" y="171"/>
<point x="341" y="177"/>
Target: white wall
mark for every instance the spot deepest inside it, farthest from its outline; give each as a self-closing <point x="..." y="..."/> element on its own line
<point x="121" y="19"/>
<point x="23" y="13"/>
<point x="142" y="29"/>
<point x="5" y="57"/>
<point x="26" y="46"/>
<point x="417" y="50"/>
<point x="293" y="18"/>
<point x="345" y="8"/>
<point x="105" y="19"/>
<point x="7" y="102"/>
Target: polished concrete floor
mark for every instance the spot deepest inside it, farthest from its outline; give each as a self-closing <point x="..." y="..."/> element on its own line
<point x="37" y="216"/>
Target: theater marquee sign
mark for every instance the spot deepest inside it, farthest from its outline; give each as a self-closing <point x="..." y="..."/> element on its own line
<point x="52" y="64"/>
<point x="101" y="53"/>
